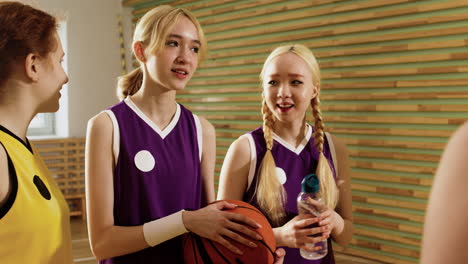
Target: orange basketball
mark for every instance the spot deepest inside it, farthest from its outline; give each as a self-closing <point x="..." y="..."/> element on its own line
<point x="199" y="250"/>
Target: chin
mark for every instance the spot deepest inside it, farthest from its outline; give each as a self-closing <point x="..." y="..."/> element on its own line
<point x="286" y="118"/>
<point x="178" y="87"/>
<point x="50" y="108"/>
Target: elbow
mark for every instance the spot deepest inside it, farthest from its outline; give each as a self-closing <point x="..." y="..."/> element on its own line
<point x="98" y="249"/>
<point x="346" y="235"/>
<point x="344" y="241"/>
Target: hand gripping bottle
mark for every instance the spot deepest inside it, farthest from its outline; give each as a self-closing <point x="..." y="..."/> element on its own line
<point x="310" y="188"/>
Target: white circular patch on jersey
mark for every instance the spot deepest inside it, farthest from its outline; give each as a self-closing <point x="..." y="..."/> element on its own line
<point x="281" y="175"/>
<point x="144" y="161"/>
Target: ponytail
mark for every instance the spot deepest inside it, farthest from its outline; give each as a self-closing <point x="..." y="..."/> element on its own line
<point x="129" y="83"/>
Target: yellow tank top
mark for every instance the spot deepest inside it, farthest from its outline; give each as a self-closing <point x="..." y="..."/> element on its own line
<point x="34" y="222"/>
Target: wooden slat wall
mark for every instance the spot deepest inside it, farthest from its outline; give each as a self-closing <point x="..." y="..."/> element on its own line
<point x="395" y="86"/>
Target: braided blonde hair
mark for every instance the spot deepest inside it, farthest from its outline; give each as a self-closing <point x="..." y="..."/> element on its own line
<point x="268" y="184"/>
<point x="328" y="189"/>
<point x="271" y="202"/>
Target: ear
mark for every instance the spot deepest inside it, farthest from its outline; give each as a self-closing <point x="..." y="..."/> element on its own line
<point x="139" y="51"/>
<point x="316" y="89"/>
<point x="31" y="66"/>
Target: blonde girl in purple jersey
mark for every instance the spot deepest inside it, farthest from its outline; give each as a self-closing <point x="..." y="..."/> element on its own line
<point x="168" y="43"/>
<point x="266" y="166"/>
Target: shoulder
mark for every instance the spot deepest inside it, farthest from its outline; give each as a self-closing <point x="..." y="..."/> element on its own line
<point x="238" y="156"/>
<point x="241" y="146"/>
<point x="207" y="128"/>
<point x="459" y="139"/>
<point x="342" y="158"/>
<point x="455" y="153"/>
<point x="100" y="123"/>
<point x="340" y="146"/>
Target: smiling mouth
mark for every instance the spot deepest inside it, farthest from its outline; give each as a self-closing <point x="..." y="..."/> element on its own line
<point x="285" y="106"/>
<point x="180" y="72"/>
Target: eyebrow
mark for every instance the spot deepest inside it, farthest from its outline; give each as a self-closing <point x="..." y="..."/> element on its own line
<point x="289" y="74"/>
<point x="180" y="37"/>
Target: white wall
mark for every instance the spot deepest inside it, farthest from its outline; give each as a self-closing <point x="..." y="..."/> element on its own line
<point x="93" y="56"/>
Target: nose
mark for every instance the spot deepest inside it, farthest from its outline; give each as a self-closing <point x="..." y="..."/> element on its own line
<point x="183" y="56"/>
<point x="66" y="78"/>
<point x="284" y="91"/>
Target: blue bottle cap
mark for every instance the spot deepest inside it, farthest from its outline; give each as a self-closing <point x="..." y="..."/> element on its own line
<point x="310" y="183"/>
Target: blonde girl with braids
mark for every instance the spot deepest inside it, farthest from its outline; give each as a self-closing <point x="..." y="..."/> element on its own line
<point x="148" y="158"/>
<point x="266" y="166"/>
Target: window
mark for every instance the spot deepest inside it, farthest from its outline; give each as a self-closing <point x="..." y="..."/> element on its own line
<point x="54" y="124"/>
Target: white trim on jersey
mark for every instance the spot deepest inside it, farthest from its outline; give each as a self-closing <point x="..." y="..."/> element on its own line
<point x="333" y="152"/>
<point x="253" y="160"/>
<point x="199" y="135"/>
<point x="162" y="133"/>
<point x="301" y="146"/>
<point x="115" y="136"/>
<point x="298" y="150"/>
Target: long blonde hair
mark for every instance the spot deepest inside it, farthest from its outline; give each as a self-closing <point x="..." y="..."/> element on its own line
<point x="268" y="184"/>
<point x="153" y="29"/>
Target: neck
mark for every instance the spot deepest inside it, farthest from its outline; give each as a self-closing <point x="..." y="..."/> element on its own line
<point x="157" y="103"/>
<point x="291" y="132"/>
<point x="16" y="113"/>
<point x="18" y="104"/>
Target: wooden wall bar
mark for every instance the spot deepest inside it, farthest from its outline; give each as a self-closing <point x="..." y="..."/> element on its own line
<point x="395" y="86"/>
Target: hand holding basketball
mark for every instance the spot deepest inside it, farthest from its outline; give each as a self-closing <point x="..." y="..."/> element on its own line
<point x="213" y="223"/>
<point x="199" y="250"/>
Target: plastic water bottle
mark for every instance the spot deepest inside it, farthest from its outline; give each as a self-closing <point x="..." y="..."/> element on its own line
<point x="310" y="187"/>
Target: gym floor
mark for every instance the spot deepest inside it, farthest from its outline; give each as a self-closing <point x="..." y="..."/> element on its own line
<point x="82" y="253"/>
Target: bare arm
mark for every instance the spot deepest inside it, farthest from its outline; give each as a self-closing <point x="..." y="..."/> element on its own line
<point x="107" y="240"/>
<point x="235" y="170"/>
<point x="445" y="231"/>
<point x="343" y="232"/>
<point x="208" y="160"/>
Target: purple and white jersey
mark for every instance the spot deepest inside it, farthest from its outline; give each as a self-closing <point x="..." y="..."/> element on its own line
<point x="157" y="173"/>
<point x="292" y="165"/>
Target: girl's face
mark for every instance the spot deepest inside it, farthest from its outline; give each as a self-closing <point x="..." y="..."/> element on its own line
<point x="52" y="78"/>
<point x="288" y="87"/>
<point x="176" y="63"/>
